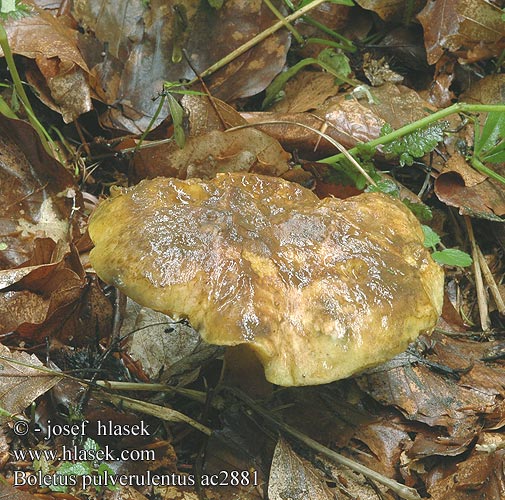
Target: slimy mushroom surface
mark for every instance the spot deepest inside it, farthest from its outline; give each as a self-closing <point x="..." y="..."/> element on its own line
<point x="318" y="289"/>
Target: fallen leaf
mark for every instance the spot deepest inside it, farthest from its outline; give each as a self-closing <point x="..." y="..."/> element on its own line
<point x="459" y="26"/>
<point x="21" y="383"/>
<point x="459" y="185"/>
<point x="49" y="295"/>
<point x="434" y="397"/>
<point x="480" y="476"/>
<point x="347" y="118"/>
<point x="37" y="194"/>
<point x="204" y="156"/>
<point x="53" y="46"/>
<point x="8" y="491"/>
<point x="295" y="478"/>
<point x="165" y="348"/>
<point x="127" y="33"/>
<point x="389" y="10"/>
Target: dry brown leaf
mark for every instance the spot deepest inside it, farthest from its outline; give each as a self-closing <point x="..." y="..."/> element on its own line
<point x="306" y="91"/>
<point x="130" y="50"/>
<point x="295" y="478"/>
<point x="161" y="344"/>
<point x="461" y="26"/>
<point x="51" y="296"/>
<point x="20" y="382"/>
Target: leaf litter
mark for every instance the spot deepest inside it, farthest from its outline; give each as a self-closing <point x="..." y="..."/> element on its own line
<point x="430" y="420"/>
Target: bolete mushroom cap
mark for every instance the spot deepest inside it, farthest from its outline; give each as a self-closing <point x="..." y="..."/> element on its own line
<point x="319" y="289"/>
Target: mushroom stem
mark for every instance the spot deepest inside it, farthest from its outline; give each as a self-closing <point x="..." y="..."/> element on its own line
<point x="400" y="489"/>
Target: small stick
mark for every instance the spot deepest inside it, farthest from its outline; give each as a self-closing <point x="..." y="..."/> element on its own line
<point x="162" y="412"/>
<point x="479" y="284"/>
<point x="493" y="287"/>
<point x="289" y="26"/>
<point x="205" y="89"/>
<point x="259" y="38"/>
<point x="400" y="489"/>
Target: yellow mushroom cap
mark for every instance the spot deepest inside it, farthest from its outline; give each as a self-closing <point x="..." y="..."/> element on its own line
<point x="319" y="289"/>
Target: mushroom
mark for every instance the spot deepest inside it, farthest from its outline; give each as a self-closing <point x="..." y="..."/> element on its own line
<point x="318" y="289"/>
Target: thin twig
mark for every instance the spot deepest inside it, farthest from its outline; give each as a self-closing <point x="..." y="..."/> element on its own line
<point x="330" y="139"/>
<point x="491" y="283"/>
<point x="259" y="38"/>
<point x="400" y="489"/>
<point x="162" y="412"/>
<point x="479" y="284"/>
<point x="287" y="25"/>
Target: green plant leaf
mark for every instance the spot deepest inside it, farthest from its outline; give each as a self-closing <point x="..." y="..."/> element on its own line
<point x="420" y="210"/>
<point x="431" y="238"/>
<point x="77" y="469"/>
<point x="177" y="114"/>
<point x="414" y="145"/>
<point x="452" y="257"/>
<point x="493" y="133"/>
<point x="102" y="469"/>
<point x="337" y="61"/>
<point x="386" y="186"/>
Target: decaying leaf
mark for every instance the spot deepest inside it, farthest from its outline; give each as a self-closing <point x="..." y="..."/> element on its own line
<point x="53" y="46"/>
<point x="37" y="194"/>
<point x="432" y="396"/>
<point x="347" y="118"/>
<point x="20" y="384"/>
<point x="390" y="10"/>
<point x="142" y="48"/>
<point x="165" y="348"/>
<point x="458" y="185"/>
<point x="294" y="478"/>
<point x="473" y="29"/>
<point x="204" y="156"/>
<point x="49" y="295"/>
<point x="480" y="476"/>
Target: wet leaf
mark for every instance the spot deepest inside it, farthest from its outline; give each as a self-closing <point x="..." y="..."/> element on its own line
<point x="461" y="186"/>
<point x="37" y="194"/>
<point x="128" y="32"/>
<point x="480" y="476"/>
<point x="203" y="156"/>
<point x="415" y="144"/>
<point x="20" y="384"/>
<point x="452" y="257"/>
<point x="52" y="44"/>
<point x="460" y="26"/>
<point x="294" y="478"/>
<point x="347" y="118"/>
<point x="389" y="9"/>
